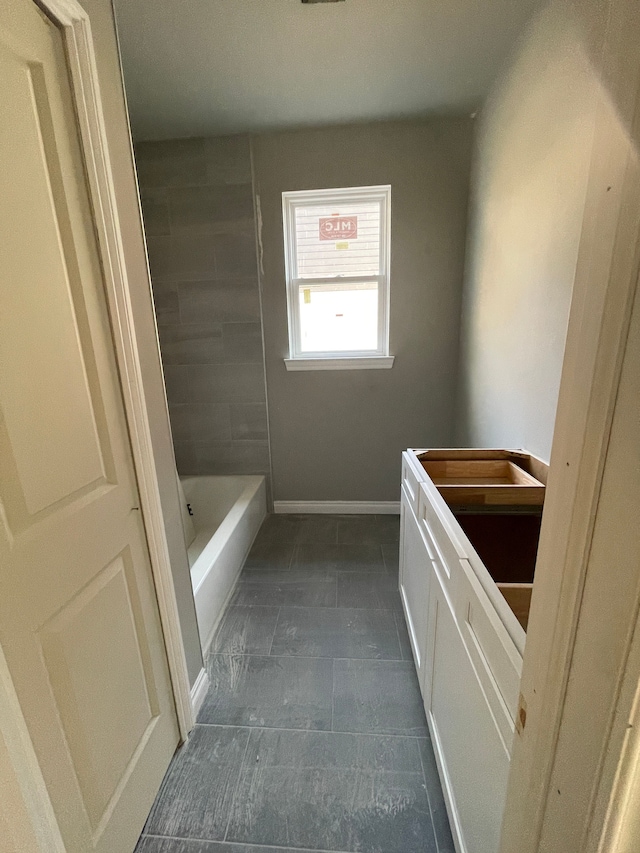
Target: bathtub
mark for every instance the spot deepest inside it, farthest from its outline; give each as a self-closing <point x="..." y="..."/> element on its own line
<point x="226" y="515"/>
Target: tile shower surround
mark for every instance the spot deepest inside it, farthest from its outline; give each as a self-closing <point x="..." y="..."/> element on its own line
<point x="197" y="202"/>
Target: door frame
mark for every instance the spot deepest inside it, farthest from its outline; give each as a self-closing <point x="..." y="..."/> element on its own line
<point x="26" y="806"/>
<point x="75" y="27"/>
<point x="606" y="284"/>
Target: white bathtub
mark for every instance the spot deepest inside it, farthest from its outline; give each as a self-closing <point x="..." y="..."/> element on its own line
<point x="227" y="513"/>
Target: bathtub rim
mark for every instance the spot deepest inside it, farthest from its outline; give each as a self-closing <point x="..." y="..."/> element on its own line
<point x="210" y="612"/>
<point x="222" y="533"/>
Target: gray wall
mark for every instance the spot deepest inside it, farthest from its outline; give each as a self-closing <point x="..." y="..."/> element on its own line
<point x="121" y="158"/>
<point x="530" y="172"/>
<point x="199" y="217"/>
<point x="339" y="435"/>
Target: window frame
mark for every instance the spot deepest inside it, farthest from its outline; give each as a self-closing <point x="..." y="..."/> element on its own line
<point x="344" y="359"/>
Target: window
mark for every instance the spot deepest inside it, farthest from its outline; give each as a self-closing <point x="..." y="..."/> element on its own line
<point x="337" y="269"/>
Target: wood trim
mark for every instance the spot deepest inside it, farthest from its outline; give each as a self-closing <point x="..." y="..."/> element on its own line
<point x="74" y="24"/>
<point x="599" y="319"/>
<point x="364" y="362"/>
<point x="522" y="458"/>
<point x="199" y="691"/>
<point x="615" y="827"/>
<point x="518" y="597"/>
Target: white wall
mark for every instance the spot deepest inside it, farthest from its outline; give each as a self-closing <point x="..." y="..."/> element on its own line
<point x="529" y="179"/>
<point x="338" y="435"/>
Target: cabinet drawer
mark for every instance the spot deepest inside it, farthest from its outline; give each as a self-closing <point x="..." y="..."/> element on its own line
<point x="411" y="480"/>
<point x="497" y="662"/>
<point x="438" y="540"/>
<point x="433" y="546"/>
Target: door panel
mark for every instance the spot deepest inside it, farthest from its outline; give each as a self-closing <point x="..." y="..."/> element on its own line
<point x="100" y="618"/>
<point x="51" y="376"/>
<point x="78" y="616"/>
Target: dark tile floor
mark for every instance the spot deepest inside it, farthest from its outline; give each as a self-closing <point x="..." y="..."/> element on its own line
<point x="312" y="736"/>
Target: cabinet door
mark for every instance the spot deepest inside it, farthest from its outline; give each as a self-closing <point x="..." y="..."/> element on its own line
<point x="414" y="584"/>
<point x="468" y="730"/>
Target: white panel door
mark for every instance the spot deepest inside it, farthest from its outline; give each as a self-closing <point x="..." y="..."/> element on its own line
<point x="79" y="624"/>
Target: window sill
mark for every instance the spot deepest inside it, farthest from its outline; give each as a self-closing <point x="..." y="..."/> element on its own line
<point x="373" y="362"/>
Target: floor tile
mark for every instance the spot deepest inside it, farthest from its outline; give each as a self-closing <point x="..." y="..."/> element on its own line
<point x="403" y="636"/>
<point x="373" y="591"/>
<point x="269" y="554"/>
<point x="391" y="556"/>
<point x="343" y="558"/>
<point x="279" y="528"/>
<point x="321" y="529"/>
<point x="352" y="793"/>
<point x="336" y="633"/>
<point x="296" y="572"/>
<point x="369" y="529"/>
<point x="155" y="844"/>
<point x="196" y="794"/>
<point x="312" y="735"/>
<point x="436" y="799"/>
<point x="254" y="690"/>
<point x="377" y="696"/>
<point x="246" y="630"/>
<point x="281" y="593"/>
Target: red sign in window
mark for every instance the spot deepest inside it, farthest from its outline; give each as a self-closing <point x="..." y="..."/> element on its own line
<point x="338" y="227"/>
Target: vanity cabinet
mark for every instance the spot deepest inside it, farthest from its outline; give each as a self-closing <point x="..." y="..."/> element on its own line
<point x="414" y="582"/>
<point x="457" y="554"/>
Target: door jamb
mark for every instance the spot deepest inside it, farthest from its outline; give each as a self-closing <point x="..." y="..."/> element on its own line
<point x="605" y="286"/>
<point x="75" y="27"/>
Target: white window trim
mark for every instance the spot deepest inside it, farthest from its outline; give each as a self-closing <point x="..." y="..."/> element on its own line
<point x="366" y="362"/>
<point x="347" y="360"/>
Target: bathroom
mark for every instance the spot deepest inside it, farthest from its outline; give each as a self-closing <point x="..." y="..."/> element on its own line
<point x="319" y="445"/>
<point x="213" y="221"/>
<point x="290" y="468"/>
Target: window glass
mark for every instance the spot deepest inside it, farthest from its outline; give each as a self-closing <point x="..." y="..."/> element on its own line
<point x="338" y="240"/>
<point x="338" y="318"/>
<point x="337" y="264"/>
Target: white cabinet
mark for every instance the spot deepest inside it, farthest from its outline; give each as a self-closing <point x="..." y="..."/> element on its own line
<point x="467" y="645"/>
<point x="414" y="584"/>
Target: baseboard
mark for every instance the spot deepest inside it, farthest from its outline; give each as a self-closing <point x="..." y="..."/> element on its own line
<point x="199" y="691"/>
<point x="338" y="507"/>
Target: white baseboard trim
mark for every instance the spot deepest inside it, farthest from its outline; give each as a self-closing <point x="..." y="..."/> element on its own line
<point x="338" y="507"/>
<point x="199" y="691"/>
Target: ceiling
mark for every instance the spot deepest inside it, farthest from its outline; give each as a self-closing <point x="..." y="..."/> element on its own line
<point x="209" y="67"/>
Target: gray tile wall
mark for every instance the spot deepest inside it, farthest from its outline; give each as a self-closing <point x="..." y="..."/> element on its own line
<point x="198" y="211"/>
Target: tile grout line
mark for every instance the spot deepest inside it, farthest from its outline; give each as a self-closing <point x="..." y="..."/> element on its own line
<point x="333" y="689"/>
<point x="303" y="657"/>
<point x="242" y="844"/>
<point x="395" y="619"/>
<point x="237" y="786"/>
<point x="426" y="788"/>
<point x="273" y="636"/>
<point x="312" y="731"/>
